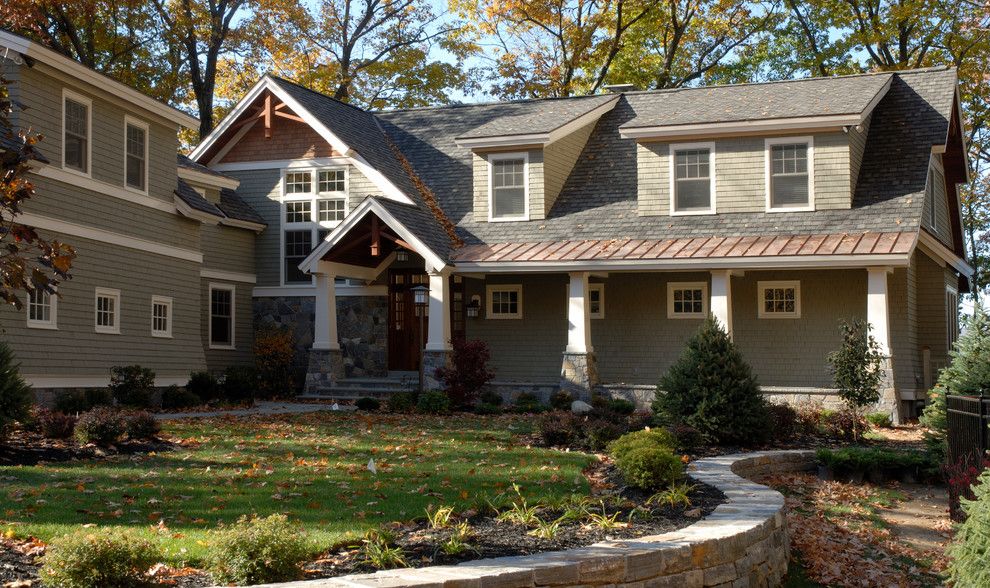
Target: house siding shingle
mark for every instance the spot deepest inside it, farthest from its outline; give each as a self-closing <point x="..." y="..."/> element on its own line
<point x="559" y="158"/>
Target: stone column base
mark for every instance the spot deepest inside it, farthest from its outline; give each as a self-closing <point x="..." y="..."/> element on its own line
<point x="889" y="400"/>
<point x="431" y="361"/>
<point x="326" y="367"/>
<point x="579" y="375"/>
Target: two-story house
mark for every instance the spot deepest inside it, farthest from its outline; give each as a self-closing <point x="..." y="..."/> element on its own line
<point x="584" y="239"/>
<point x="165" y="247"/>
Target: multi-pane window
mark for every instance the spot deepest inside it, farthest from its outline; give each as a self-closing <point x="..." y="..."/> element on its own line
<point x="952" y="316"/>
<point x="298" y="182"/>
<point x="41" y="309"/>
<point x="596" y="301"/>
<point x="789" y="176"/>
<point x="299" y="211"/>
<point x="332" y="180"/>
<point x="692" y="179"/>
<point x="505" y="302"/>
<point x="221" y="316"/>
<point x="107" y="310"/>
<point x="136" y="156"/>
<point x="75" y="136"/>
<point x="161" y="316"/>
<point x="298" y="245"/>
<point x="687" y="300"/>
<point x="332" y="210"/>
<point x="508" y="188"/>
<point x="779" y="299"/>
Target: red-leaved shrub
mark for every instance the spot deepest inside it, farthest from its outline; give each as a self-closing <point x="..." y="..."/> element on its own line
<point x="960" y="478"/>
<point x="467" y="373"/>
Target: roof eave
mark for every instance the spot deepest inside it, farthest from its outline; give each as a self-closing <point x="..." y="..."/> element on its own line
<point x="797" y="124"/>
<point x="193" y="213"/>
<point x="215" y="181"/>
<point x="538" y="139"/>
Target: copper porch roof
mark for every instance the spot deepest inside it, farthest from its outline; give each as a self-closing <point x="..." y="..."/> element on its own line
<point x="869" y="243"/>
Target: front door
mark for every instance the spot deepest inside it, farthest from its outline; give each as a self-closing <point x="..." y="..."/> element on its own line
<point x="403" y="319"/>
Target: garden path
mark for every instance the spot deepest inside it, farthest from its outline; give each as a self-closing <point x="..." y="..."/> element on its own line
<point x="922" y="521"/>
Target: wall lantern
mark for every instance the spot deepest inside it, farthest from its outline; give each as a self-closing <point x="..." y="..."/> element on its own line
<point x="474" y="307"/>
<point x="420" y="295"/>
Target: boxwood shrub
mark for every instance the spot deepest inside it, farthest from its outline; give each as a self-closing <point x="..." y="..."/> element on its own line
<point x="99" y="558"/>
<point x="257" y="551"/>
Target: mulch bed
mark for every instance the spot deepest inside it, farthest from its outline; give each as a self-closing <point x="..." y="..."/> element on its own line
<point x="27" y="448"/>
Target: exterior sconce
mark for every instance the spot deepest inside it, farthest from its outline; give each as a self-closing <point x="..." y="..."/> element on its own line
<point x="474" y="307"/>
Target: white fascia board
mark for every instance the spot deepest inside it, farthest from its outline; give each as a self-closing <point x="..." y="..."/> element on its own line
<point x="747" y="263"/>
<point x="242" y="224"/>
<point x="85" y="74"/>
<point x="936" y="247"/>
<point x="805" y="123"/>
<point x="370" y="205"/>
<point x="190" y="212"/>
<point x="206" y="179"/>
<point x="389" y="190"/>
<point x="538" y="139"/>
<point x="288" y="164"/>
<point x="230" y="119"/>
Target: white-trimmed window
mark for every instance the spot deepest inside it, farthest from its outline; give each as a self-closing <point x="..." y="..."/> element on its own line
<point x="780" y="299"/>
<point x="596" y="301"/>
<point x="951" y="316"/>
<point x="77" y="128"/>
<point x="687" y="300"/>
<point x="790" y="174"/>
<point x="221" y="316"/>
<point x="505" y="301"/>
<point x="692" y="178"/>
<point x="42" y="308"/>
<point x="135" y="154"/>
<point x="107" y="311"/>
<point x="508" y="187"/>
<point x="313" y="202"/>
<point x="161" y="316"/>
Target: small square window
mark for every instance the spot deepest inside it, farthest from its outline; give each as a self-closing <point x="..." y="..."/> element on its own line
<point x="505" y="302"/>
<point x="779" y="299"/>
<point x="298" y="183"/>
<point x="161" y="316"/>
<point x="332" y="210"/>
<point x="332" y="180"/>
<point x="41" y="310"/>
<point x="298" y="212"/>
<point x="107" y="311"/>
<point x="687" y="300"/>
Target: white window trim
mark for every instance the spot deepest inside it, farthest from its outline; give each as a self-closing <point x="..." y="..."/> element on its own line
<point x="108" y="293"/>
<point x="950" y="337"/>
<point x="671" y="286"/>
<point x="75" y="97"/>
<point x="493" y="157"/>
<point x="489" y="292"/>
<point x="673" y="149"/>
<point x="767" y="156"/>
<point x="314" y="225"/>
<point x="130" y="121"/>
<point x="167" y="302"/>
<point x="761" y="286"/>
<point x="233" y="315"/>
<point x="51" y="323"/>
<point x="600" y="288"/>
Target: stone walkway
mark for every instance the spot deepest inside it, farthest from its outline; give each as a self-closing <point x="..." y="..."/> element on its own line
<point x="922" y="521"/>
<point x="260" y="408"/>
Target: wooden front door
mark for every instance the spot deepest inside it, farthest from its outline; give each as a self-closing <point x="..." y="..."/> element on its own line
<point x="403" y="317"/>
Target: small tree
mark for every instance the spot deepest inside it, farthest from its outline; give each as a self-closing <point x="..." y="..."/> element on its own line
<point x="468" y="371"/>
<point x="857" y="368"/>
<point x="968" y="552"/>
<point x="15" y="393"/>
<point x="273" y="354"/>
<point x="27" y="262"/>
<point x="712" y="388"/>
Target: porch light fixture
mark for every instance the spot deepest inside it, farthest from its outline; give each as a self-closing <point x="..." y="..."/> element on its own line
<point x="420" y="298"/>
<point x="474" y="307"/>
<point x="402" y="256"/>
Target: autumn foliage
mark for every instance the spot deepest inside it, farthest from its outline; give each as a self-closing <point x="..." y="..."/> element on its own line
<point x="273" y="354"/>
<point x="468" y="372"/>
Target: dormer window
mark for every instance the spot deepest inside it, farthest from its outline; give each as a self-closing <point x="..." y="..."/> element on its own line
<point x="790" y="174"/>
<point x="508" y="194"/>
<point x="692" y="183"/>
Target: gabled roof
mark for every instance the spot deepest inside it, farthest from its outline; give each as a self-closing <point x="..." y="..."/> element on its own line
<point x="538" y="121"/>
<point x="231" y="209"/>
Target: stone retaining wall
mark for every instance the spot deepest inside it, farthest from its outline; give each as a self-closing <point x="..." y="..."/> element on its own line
<point x="743" y="543"/>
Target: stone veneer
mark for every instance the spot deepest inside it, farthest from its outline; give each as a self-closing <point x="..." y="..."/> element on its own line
<point x="743" y="543"/>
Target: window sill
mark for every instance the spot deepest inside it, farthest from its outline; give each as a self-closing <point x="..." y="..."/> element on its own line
<point x="504" y="317"/>
<point x="513" y="219"/>
<point x="779" y="316"/>
<point x="687" y="316"/>
<point x="691" y="212"/>
<point x="794" y="209"/>
<point x="222" y="347"/>
<point x="44" y="326"/>
<point x="107" y="331"/>
<point x="130" y="188"/>
<point x="162" y="335"/>
<point x="77" y="172"/>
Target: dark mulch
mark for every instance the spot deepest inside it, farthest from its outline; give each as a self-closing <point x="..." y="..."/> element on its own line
<point x="17" y="562"/>
<point x="28" y="448"/>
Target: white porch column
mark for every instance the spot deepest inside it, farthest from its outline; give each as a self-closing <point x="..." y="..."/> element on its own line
<point x="578" y="315"/>
<point x="721" y="299"/>
<point x="325" y="323"/>
<point x="438" y="333"/>
<point x="877" y="313"/>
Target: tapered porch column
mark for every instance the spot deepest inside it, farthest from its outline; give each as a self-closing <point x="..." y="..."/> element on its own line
<point x="721" y="303"/>
<point x="326" y="364"/>
<point x="878" y="316"/>
<point x="579" y="371"/>
<point x="436" y="353"/>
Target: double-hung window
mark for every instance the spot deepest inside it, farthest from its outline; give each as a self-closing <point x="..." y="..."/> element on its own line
<point x="76" y="127"/>
<point x="692" y="181"/>
<point x="790" y="174"/>
<point x="314" y="201"/>
<point x="951" y="316"/>
<point x="107" y="311"/>
<point x="780" y="299"/>
<point x="41" y="309"/>
<point x="596" y="301"/>
<point x="136" y="154"/>
<point x="505" y="301"/>
<point x="161" y="316"/>
<point x="687" y="300"/>
<point x="508" y="193"/>
<point x="221" y="316"/>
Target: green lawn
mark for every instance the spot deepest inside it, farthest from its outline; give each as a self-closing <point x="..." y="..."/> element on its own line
<point x="310" y="467"/>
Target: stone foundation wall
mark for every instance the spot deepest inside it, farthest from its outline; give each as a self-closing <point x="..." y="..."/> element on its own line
<point x="362" y="323"/>
<point x="743" y="543"/>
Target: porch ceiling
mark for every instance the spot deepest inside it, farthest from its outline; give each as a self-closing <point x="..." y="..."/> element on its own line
<point x="867" y="243"/>
<point x="357" y="245"/>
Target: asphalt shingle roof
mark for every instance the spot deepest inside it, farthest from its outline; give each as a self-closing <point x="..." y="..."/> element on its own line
<point x="195" y="200"/>
<point x="234" y="207"/>
<point x="187" y="163"/>
<point x="537" y="116"/>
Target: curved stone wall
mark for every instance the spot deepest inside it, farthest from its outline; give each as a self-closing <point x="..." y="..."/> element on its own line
<point x="742" y="543"/>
